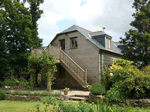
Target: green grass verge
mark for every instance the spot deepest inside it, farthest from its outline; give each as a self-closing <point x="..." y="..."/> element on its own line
<point x="21" y="106"/>
<point x="28" y="106"/>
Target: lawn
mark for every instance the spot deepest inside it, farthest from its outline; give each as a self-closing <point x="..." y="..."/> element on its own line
<point x="20" y="106"/>
<point x="29" y="106"/>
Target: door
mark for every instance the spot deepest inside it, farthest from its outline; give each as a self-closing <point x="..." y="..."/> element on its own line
<point x="62" y="44"/>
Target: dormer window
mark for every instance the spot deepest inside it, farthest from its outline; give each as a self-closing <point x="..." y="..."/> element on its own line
<point x="73" y="42"/>
<point x="108" y="43"/>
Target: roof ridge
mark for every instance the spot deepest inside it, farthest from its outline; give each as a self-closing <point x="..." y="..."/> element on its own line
<point x="95" y="31"/>
<point x="82" y="28"/>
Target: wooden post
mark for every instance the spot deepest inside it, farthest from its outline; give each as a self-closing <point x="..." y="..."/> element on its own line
<point x="49" y="83"/>
<point x="86" y="76"/>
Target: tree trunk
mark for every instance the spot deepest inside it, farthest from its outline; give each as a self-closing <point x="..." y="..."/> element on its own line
<point x="31" y="78"/>
<point x="49" y="83"/>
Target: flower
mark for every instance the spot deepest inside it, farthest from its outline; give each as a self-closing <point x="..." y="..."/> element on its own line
<point x="111" y="74"/>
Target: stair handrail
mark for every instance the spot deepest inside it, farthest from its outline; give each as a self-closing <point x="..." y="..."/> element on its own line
<point x="84" y="71"/>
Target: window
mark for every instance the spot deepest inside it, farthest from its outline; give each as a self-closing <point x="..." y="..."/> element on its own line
<point x="74" y="42"/>
<point x="108" y="43"/>
<point x="62" y="44"/>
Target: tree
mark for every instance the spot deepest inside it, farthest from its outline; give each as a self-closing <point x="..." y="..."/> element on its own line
<point x="137" y="40"/>
<point x="15" y="31"/>
<point x="35" y="16"/>
<point x="46" y="65"/>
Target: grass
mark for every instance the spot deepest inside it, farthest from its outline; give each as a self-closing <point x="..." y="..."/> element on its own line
<point x="29" y="106"/>
<point x="20" y="106"/>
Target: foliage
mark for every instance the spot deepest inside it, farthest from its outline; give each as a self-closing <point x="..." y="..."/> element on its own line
<point x="98" y="89"/>
<point x="66" y="89"/>
<point x="136" y="43"/>
<point x="86" y="107"/>
<point x="10" y="81"/>
<point x="116" y="93"/>
<point x="44" y="64"/>
<point x="147" y="70"/>
<point x="27" y="84"/>
<point x="19" y="34"/>
<point x="126" y="81"/>
<point x="106" y="107"/>
<point x="16" y="32"/>
<point x="2" y="94"/>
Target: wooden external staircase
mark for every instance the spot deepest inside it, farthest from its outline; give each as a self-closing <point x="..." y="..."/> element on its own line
<point x="70" y="65"/>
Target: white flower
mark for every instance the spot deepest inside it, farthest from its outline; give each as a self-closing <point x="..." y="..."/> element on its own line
<point x="111" y="74"/>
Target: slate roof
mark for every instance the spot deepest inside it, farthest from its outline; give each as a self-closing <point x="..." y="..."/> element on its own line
<point x="88" y="34"/>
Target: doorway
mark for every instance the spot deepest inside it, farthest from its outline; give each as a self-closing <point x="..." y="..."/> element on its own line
<point x="62" y="44"/>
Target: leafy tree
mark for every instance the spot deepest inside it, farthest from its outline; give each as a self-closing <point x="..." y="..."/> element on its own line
<point x="137" y="40"/>
<point x="15" y="31"/>
<point x="35" y="16"/>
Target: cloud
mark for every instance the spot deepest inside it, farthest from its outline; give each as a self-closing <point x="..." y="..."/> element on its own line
<point x="114" y="15"/>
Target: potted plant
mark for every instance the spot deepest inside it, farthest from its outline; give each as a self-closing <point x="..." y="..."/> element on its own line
<point x="86" y="87"/>
<point x="66" y="90"/>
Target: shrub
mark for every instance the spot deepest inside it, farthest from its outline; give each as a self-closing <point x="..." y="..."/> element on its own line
<point x="9" y="82"/>
<point x="2" y="95"/>
<point x="98" y="89"/>
<point x="147" y="70"/>
<point x="85" y="107"/>
<point x="25" y="83"/>
<point x="116" y="93"/>
<point x="124" y="80"/>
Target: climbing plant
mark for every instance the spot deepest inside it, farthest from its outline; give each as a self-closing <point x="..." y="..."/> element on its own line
<point x="45" y="64"/>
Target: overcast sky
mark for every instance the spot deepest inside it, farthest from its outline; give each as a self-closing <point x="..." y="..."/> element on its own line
<point x="114" y="15"/>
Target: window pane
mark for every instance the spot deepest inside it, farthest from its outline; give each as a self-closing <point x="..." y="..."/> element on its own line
<point x="76" y="42"/>
<point x="63" y="44"/>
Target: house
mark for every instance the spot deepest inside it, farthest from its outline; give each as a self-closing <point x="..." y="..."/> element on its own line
<point x="83" y="55"/>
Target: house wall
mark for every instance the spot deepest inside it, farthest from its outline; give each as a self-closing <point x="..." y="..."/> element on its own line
<point x="108" y="58"/>
<point x="86" y="55"/>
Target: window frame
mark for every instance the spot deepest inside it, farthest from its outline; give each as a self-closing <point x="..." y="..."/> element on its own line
<point x="108" y="43"/>
<point x="74" y="46"/>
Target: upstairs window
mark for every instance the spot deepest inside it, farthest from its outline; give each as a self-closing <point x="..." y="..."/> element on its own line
<point x="108" y="43"/>
<point x="73" y="42"/>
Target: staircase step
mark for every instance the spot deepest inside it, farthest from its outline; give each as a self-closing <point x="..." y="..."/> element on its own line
<point x="77" y="98"/>
<point x="84" y="96"/>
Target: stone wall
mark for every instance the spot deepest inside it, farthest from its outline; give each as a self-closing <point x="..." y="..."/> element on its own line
<point x="27" y="97"/>
<point x="132" y="102"/>
<point x="86" y="55"/>
<point x="22" y="97"/>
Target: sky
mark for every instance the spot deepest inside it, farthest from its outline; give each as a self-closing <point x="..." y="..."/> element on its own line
<point x="114" y="15"/>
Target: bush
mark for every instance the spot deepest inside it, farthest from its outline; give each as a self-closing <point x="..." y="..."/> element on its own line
<point x="25" y="83"/>
<point x="9" y="82"/>
<point x="98" y="89"/>
<point x="147" y="70"/>
<point x="2" y="95"/>
<point x="124" y="80"/>
<point x="116" y="93"/>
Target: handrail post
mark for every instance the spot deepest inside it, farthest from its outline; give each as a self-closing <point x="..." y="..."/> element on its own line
<point x="86" y="76"/>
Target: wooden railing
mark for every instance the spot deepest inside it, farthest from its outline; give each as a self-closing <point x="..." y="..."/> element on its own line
<point x="73" y="66"/>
